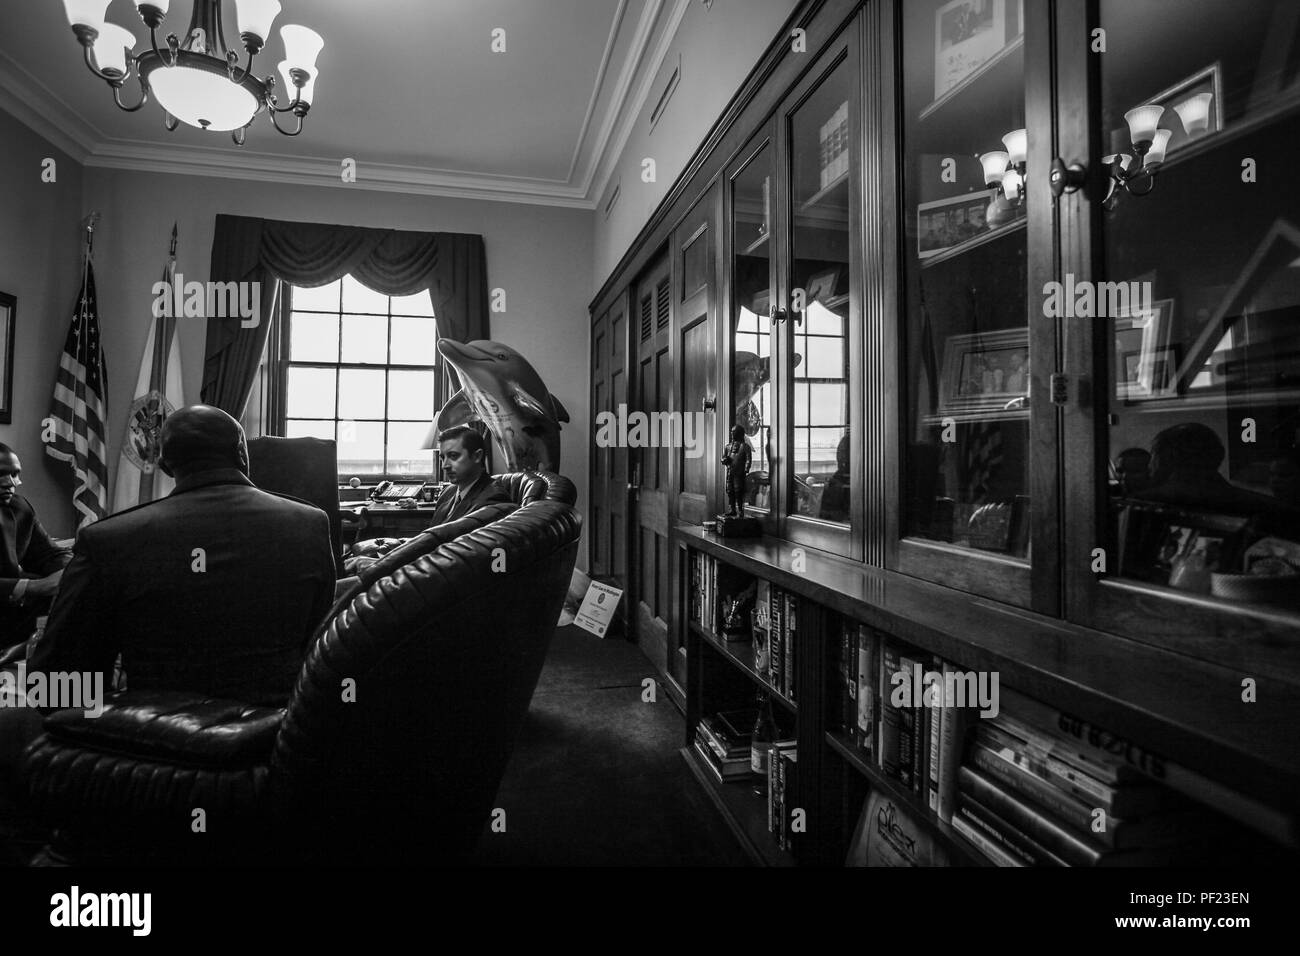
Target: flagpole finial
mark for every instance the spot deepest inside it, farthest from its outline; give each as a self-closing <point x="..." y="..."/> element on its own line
<point x="90" y="222"/>
<point x="173" y="249"/>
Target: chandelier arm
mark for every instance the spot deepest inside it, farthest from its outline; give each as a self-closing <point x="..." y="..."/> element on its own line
<point x="166" y="60"/>
<point x="144" y="97"/>
<point x="232" y="67"/>
<point x="276" y="124"/>
<point x="109" y="78"/>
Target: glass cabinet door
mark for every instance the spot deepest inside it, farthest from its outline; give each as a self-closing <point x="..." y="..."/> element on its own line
<point x="965" y="346"/>
<point x="752" y="278"/>
<point x="1196" y="314"/>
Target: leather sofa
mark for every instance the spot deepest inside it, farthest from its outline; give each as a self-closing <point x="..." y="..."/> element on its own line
<point x="393" y="743"/>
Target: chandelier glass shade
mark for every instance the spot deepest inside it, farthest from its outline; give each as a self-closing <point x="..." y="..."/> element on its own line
<point x="196" y="79"/>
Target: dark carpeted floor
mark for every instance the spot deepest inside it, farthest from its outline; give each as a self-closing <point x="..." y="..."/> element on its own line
<point x="596" y="779"/>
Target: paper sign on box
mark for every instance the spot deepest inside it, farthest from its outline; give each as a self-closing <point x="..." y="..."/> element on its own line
<point x="597" y="608"/>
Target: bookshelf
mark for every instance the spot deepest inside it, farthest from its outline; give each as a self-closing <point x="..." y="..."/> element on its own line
<point x="836" y="774"/>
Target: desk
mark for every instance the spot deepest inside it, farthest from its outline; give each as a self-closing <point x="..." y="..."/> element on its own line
<point x="390" y="521"/>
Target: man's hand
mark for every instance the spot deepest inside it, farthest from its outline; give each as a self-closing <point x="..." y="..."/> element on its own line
<point x="47" y="586"/>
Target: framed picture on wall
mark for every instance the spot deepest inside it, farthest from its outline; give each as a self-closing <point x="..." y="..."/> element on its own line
<point x="8" y="306"/>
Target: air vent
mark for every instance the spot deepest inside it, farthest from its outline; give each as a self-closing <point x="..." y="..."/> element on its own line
<point x="647" y="317"/>
<point x="666" y="94"/>
<point x="662" y="297"/>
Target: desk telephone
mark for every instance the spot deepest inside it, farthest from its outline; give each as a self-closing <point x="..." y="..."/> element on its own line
<point x="398" y="491"/>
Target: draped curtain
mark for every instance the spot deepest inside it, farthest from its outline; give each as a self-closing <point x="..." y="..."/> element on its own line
<point x="451" y="266"/>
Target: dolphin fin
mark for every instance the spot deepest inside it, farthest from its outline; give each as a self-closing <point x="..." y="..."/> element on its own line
<point x="561" y="413"/>
<point x="524" y="400"/>
<point x="457" y="411"/>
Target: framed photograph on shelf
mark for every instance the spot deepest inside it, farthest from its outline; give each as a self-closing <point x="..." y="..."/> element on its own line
<point x="944" y="223"/>
<point x="1193" y="110"/>
<point x="1139" y="335"/>
<point x="8" y="307"/>
<point x="1150" y="375"/>
<point x="985" y="375"/>
<point x="967" y="34"/>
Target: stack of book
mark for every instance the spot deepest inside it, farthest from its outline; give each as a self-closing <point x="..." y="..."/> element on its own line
<point x="704" y="590"/>
<point x="723" y="741"/>
<point x="1030" y="797"/>
<point x="782" y="764"/>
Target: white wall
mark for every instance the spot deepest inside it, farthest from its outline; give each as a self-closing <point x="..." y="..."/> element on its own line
<point x="40" y="263"/>
<point x="718" y="48"/>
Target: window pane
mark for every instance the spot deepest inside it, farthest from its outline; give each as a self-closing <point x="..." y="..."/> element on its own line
<point x="324" y="298"/>
<point x="410" y="394"/>
<point x="405" y="456"/>
<point x="313" y="338"/>
<point x="357" y="298"/>
<point x="415" y="342"/>
<point x="751" y="369"/>
<point x="966" y="421"/>
<point x="1202" y="303"/>
<point x="821" y="137"/>
<point x="361" y="393"/>
<point x="309" y="429"/>
<point x="361" y="448"/>
<point x="418" y="304"/>
<point x="311" y="393"/>
<point x="365" y="339"/>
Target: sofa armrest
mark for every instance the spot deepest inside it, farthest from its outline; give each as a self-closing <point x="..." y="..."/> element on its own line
<point x="171" y="727"/>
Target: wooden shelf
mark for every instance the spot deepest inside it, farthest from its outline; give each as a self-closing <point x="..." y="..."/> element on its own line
<point x="744" y="811"/>
<point x="960" y="852"/>
<point x="757" y="244"/>
<point x="960" y="117"/>
<point x="743" y="663"/>
<point x="1163" y="700"/>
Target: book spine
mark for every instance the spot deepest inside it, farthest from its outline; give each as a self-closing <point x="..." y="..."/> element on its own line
<point x="992" y="850"/>
<point x="934" y="719"/>
<point x="1071" y="812"/>
<point x="848" y="690"/>
<point x="895" y="759"/>
<point x="792" y="624"/>
<point x="867" y="660"/>
<point x="952" y="726"/>
<point x="775" y="651"/>
<point x="910" y="744"/>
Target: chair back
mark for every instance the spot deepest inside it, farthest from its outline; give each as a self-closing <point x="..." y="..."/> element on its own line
<point x="408" y="705"/>
<point x="303" y="468"/>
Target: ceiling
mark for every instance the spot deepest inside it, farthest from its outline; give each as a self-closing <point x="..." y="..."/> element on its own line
<point x="409" y="89"/>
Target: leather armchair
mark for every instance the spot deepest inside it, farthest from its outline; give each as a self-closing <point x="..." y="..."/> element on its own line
<point x="393" y="743"/>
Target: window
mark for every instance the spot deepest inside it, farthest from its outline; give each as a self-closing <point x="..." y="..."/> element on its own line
<point x="362" y="369"/>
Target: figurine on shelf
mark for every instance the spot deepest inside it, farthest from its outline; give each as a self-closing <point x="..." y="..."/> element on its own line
<point x="737" y="456"/>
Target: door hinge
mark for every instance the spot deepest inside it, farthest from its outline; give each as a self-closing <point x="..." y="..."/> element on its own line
<point x="1060" y="388"/>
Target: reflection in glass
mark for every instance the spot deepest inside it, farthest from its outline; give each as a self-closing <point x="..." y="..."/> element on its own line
<point x="821" y="137"/>
<point x="966" y="425"/>
<point x="1204" y="424"/>
<point x="751" y="355"/>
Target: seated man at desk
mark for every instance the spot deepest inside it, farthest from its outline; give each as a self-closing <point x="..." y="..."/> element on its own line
<point x="462" y="450"/>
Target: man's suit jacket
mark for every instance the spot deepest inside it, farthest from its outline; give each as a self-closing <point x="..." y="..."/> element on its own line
<point x="214" y="589"/>
<point x="485" y="491"/>
<point x="26" y="551"/>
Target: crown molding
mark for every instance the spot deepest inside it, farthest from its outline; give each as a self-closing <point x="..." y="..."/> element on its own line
<point x="313" y="171"/>
<point x="29" y="101"/>
<point x="625" y="120"/>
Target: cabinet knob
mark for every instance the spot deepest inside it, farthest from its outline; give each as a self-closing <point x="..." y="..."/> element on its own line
<point x="710" y="403"/>
<point x="1066" y="179"/>
<point x="779" y="315"/>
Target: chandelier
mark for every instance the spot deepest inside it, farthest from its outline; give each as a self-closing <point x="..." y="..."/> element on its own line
<point x="196" y="80"/>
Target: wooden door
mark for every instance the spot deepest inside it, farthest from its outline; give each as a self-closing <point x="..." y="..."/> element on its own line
<point x="650" y="577"/>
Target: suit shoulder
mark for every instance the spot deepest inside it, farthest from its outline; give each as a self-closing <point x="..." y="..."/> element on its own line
<point x="290" y="504"/>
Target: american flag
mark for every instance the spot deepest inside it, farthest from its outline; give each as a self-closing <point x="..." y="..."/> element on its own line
<point x="77" y="411"/>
